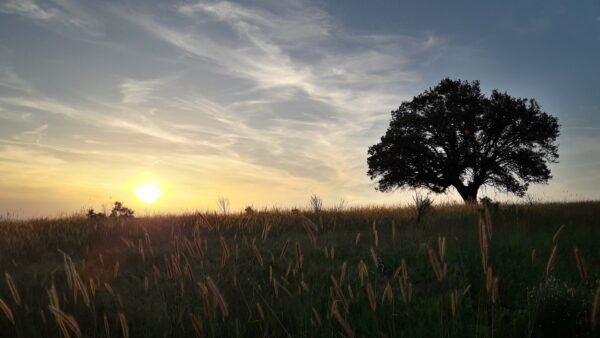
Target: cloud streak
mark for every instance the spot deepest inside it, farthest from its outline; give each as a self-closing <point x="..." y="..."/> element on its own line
<point x="58" y="13"/>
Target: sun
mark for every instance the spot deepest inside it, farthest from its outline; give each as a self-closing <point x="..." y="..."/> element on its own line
<point x="147" y="192"/>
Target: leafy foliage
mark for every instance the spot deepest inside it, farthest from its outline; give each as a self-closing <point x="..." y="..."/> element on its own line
<point x="454" y="136"/>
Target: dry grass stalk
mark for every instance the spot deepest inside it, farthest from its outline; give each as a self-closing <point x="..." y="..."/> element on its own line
<point x="494" y="295"/>
<point x="218" y="297"/>
<point x="483" y="245"/>
<point x="402" y="270"/>
<point x="92" y="284"/>
<point x="343" y="272"/>
<point x="197" y="325"/>
<point x="362" y="271"/>
<point x="557" y="233"/>
<point x="7" y="311"/>
<point x="225" y="252"/>
<point x="388" y="294"/>
<point x="106" y="326"/>
<point x="62" y="328"/>
<point x="533" y="255"/>
<point x="551" y="259"/>
<point x="116" y="270"/>
<point x="67" y="265"/>
<point x="466" y="290"/>
<point x="299" y="257"/>
<point x="124" y="326"/>
<point x="334" y="281"/>
<point x="53" y="297"/>
<point x="259" y="257"/>
<point x="265" y="231"/>
<point x="357" y="238"/>
<point x="375" y="234"/>
<point x="485" y="221"/>
<point x="203" y="290"/>
<point x="393" y="230"/>
<point x="304" y="286"/>
<point x="278" y="286"/>
<point x="109" y="289"/>
<point x="489" y="279"/>
<point x="442" y="247"/>
<point x="14" y="292"/>
<point x="317" y="317"/>
<point x="405" y="285"/>
<point x="454" y="301"/>
<point x="406" y="291"/>
<point x="284" y="249"/>
<point x="146" y="284"/>
<point x="64" y="321"/>
<point x="595" y="309"/>
<point x="339" y="297"/>
<point x="371" y="296"/>
<point x="260" y="311"/>
<point x="581" y="265"/>
<point x="345" y="326"/>
<point x="376" y="238"/>
<point x="374" y="257"/>
<point x="311" y="229"/>
<point x="438" y="270"/>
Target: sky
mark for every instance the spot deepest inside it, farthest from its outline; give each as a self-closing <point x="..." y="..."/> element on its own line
<point x="266" y="102"/>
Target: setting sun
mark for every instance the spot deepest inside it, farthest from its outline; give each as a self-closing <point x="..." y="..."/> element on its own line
<point x="147" y="192"/>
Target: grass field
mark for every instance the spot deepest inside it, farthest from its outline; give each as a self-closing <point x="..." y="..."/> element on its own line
<point x="514" y="271"/>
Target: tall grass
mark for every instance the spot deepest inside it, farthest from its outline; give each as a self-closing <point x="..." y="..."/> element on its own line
<point x="459" y="271"/>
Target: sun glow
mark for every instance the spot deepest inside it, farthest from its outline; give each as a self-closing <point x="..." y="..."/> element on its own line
<point x="147" y="192"/>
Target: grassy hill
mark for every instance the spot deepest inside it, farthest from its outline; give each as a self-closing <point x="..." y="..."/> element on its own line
<point x="463" y="271"/>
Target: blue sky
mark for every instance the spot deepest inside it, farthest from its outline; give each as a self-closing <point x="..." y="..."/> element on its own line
<point x="266" y="102"/>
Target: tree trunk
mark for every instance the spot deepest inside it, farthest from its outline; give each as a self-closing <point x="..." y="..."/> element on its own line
<point x="468" y="193"/>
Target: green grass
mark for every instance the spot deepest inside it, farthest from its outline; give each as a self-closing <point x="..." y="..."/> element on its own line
<point x="165" y="290"/>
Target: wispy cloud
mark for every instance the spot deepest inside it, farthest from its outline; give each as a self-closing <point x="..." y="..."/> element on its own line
<point x="324" y="62"/>
<point x="11" y="80"/>
<point x="28" y="8"/>
<point x="36" y="134"/>
<point x="306" y="92"/>
<point x="66" y="13"/>
<point x="138" y="91"/>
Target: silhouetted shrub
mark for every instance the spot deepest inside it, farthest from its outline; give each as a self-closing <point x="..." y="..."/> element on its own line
<point x="91" y="214"/>
<point x="489" y="203"/>
<point x="316" y="203"/>
<point x="223" y="204"/>
<point x="120" y="211"/>
<point x="422" y="204"/>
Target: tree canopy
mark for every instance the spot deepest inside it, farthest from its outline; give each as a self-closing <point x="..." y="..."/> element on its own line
<point x="454" y="136"/>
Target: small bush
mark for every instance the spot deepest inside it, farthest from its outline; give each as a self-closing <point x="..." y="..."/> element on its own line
<point x="422" y="204"/>
<point x="316" y="203"/>
<point x="120" y="211"/>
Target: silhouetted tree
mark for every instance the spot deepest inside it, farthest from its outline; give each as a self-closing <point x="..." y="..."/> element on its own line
<point x="454" y="136"/>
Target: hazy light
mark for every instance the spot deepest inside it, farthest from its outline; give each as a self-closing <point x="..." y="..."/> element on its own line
<point x="147" y="192"/>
